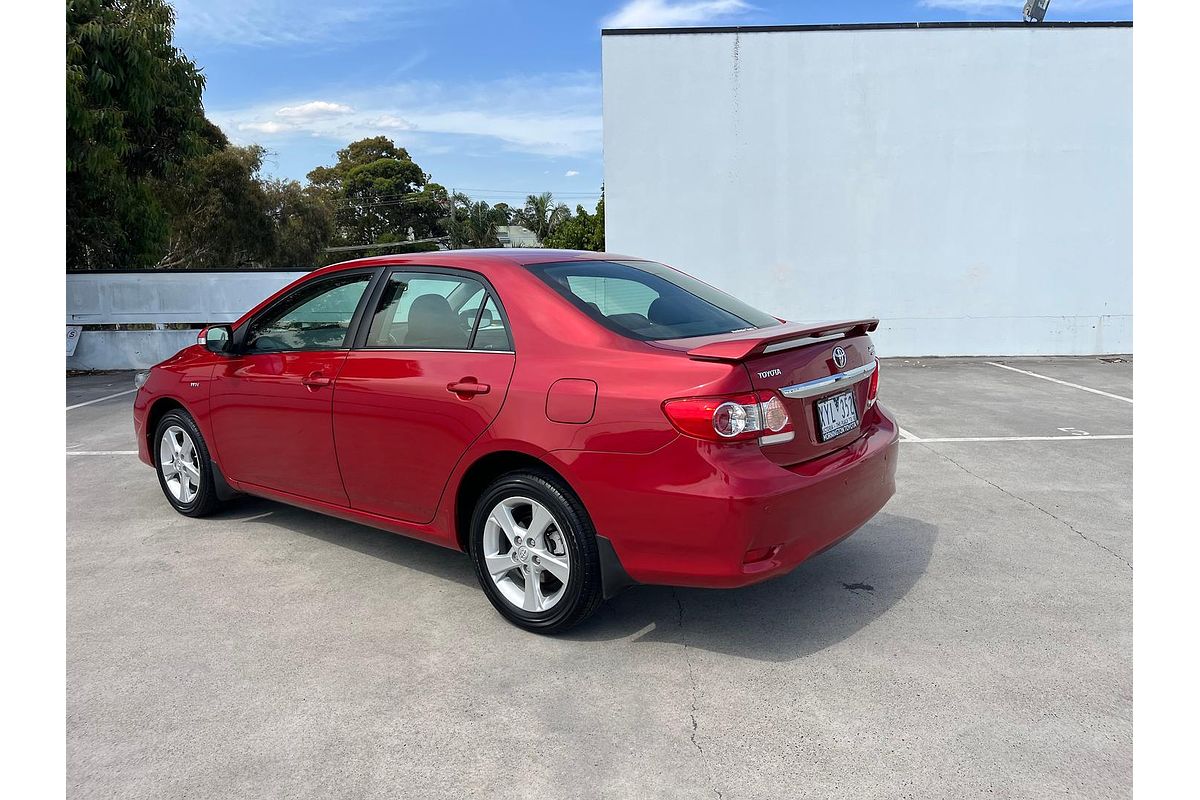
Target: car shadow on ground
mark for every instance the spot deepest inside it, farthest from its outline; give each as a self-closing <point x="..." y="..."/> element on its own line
<point x="822" y="602"/>
<point x="431" y="559"/>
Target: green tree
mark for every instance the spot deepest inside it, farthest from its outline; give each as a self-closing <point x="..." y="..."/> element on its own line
<point x="504" y="213"/>
<point x="598" y="241"/>
<point x="134" y="114"/>
<point x="473" y="224"/>
<point x="223" y="213"/>
<point x="541" y="214"/>
<point x="363" y="151"/>
<point x="583" y="231"/>
<point x="302" y="221"/>
<point x="219" y="212"/>
<point x="377" y="190"/>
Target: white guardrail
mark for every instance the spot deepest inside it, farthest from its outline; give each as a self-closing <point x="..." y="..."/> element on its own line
<point x="133" y="320"/>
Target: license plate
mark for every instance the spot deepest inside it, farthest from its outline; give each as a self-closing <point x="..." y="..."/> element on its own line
<point x="836" y="415"/>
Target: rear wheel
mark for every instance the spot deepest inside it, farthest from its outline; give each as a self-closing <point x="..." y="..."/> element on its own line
<point x="184" y="465"/>
<point x="534" y="551"/>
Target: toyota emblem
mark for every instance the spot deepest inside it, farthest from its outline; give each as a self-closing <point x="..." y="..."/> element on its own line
<point x="839" y="356"/>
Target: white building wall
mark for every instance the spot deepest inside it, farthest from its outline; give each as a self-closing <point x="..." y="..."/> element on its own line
<point x="969" y="186"/>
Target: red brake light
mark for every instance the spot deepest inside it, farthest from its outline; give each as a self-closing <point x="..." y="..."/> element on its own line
<point x="732" y="418"/>
<point x="873" y="385"/>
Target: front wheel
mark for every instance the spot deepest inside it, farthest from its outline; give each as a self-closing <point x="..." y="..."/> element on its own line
<point x="184" y="465"/>
<point x="534" y="551"/>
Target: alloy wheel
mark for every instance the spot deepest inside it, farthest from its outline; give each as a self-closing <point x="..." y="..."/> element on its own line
<point x="525" y="553"/>
<point x="180" y="464"/>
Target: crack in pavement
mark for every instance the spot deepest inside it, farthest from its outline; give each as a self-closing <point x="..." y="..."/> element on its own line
<point x="695" y="694"/>
<point x="1032" y="504"/>
<point x="691" y="674"/>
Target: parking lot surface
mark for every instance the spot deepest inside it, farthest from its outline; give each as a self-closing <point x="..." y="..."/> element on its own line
<point x="974" y="639"/>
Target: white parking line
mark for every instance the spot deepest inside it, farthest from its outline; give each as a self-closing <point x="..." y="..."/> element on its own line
<point x="102" y="399"/>
<point x="1019" y="438"/>
<point x="102" y="452"/>
<point x="1063" y="383"/>
<point x="905" y="436"/>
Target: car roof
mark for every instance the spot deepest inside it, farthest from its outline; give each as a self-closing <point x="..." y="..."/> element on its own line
<point x="478" y="258"/>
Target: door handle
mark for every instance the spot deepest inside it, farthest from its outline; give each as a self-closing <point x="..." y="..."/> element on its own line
<point x="468" y="386"/>
<point x="316" y="380"/>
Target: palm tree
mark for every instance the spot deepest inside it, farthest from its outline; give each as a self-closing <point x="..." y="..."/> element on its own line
<point x="473" y="224"/>
<point x="542" y="215"/>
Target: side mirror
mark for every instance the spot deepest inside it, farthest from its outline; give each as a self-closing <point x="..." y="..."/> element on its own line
<point x="215" y="338"/>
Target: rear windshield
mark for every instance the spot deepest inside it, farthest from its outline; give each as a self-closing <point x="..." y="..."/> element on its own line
<point x="645" y="300"/>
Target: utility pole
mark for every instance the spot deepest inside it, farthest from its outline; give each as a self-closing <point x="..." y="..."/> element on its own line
<point x="1035" y="10"/>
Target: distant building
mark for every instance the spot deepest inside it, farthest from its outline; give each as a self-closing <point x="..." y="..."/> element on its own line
<point x="516" y="236"/>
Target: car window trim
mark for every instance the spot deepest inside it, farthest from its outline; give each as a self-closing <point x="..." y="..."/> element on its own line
<point x="359" y="340"/>
<point x="239" y="335"/>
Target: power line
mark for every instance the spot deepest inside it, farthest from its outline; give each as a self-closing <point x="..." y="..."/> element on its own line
<point x="407" y="196"/>
<point x="344" y="248"/>
<point x="341" y="203"/>
<point x="516" y="191"/>
<point x="352" y="204"/>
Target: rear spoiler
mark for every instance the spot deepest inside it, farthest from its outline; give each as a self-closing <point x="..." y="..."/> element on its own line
<point x="760" y="341"/>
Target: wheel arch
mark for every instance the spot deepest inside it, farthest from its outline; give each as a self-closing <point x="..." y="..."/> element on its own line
<point x="488" y="467"/>
<point x="480" y="474"/>
<point x="159" y="408"/>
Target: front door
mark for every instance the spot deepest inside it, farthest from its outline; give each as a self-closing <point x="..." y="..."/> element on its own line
<point x="272" y="398"/>
<point x="429" y="377"/>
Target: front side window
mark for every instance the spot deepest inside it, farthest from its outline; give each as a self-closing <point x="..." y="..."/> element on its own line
<point x="316" y="316"/>
<point x="434" y="311"/>
<point x="645" y="300"/>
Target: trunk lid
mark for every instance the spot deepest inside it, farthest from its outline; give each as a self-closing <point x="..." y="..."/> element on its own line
<point x="798" y="361"/>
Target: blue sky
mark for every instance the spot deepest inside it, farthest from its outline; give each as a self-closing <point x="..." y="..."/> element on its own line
<point x="498" y="98"/>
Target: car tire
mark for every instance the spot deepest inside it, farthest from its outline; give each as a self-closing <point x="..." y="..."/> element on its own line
<point x="562" y="546"/>
<point x="184" y="466"/>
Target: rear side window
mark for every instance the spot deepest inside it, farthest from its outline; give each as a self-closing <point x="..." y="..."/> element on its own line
<point x="434" y="311"/>
<point x="492" y="334"/>
<point x="645" y="300"/>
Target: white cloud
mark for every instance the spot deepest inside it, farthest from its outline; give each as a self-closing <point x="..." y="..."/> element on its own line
<point x="986" y="6"/>
<point x="266" y="126"/>
<point x="391" y="122"/>
<point x="555" y="115"/>
<point x="313" y="108"/>
<point x="571" y="173"/>
<point x="666" y="14"/>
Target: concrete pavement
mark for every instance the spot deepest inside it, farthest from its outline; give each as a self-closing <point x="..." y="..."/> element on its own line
<point x="972" y="640"/>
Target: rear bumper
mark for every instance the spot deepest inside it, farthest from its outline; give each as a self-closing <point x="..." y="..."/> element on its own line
<point x="699" y="514"/>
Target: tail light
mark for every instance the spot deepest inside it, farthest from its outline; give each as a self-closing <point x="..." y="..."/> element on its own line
<point x="732" y="418"/>
<point x="873" y="385"/>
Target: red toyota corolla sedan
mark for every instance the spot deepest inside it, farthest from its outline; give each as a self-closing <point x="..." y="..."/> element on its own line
<point x="577" y="422"/>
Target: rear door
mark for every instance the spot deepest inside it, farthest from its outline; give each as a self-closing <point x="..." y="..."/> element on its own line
<point x="272" y="399"/>
<point x="428" y="374"/>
